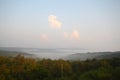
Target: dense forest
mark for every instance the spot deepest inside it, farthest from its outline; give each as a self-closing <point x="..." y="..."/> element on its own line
<point x="23" y="68"/>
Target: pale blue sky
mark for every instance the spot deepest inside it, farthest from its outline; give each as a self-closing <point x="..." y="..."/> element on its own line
<point x="24" y="23"/>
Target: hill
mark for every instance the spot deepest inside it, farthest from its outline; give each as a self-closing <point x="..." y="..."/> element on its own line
<point x="93" y="55"/>
<point x="14" y="53"/>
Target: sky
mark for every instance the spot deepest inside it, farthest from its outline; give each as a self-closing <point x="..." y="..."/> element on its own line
<point x="84" y="24"/>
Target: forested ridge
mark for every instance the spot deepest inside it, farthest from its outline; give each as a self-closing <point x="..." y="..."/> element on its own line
<point x="23" y="68"/>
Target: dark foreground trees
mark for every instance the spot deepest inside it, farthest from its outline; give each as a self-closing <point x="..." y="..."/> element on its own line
<point x="21" y="68"/>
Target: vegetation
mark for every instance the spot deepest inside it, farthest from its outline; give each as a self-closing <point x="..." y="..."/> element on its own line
<point x="21" y="68"/>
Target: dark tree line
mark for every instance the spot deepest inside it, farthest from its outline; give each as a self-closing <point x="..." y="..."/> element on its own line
<point x="21" y="68"/>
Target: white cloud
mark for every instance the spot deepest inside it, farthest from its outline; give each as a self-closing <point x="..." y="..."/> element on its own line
<point x="65" y="34"/>
<point x="75" y="34"/>
<point x="53" y="22"/>
<point x="44" y="36"/>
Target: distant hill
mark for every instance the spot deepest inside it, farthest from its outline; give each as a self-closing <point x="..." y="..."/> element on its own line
<point x="96" y="55"/>
<point x="14" y="53"/>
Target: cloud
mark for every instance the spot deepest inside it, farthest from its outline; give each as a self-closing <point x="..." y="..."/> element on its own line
<point x="75" y="34"/>
<point x="53" y="22"/>
<point x="44" y="36"/>
<point x="65" y="34"/>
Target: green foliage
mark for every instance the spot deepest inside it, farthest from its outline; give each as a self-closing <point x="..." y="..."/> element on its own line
<point x="21" y="68"/>
<point x="99" y="74"/>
